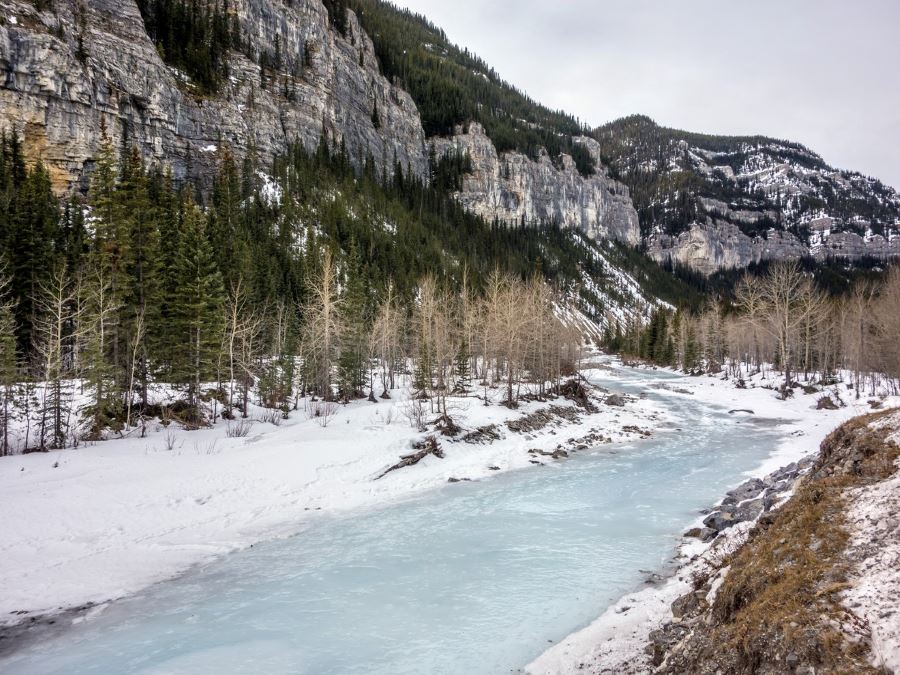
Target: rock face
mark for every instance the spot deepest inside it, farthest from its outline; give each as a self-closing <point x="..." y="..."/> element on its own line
<point x="718" y="202"/>
<point x="716" y="245"/>
<point x="57" y="103"/>
<point x="514" y="189"/>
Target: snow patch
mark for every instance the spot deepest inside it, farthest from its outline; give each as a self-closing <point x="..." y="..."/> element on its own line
<point x="874" y="518"/>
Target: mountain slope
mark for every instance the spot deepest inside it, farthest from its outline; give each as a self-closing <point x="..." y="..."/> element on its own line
<point x="715" y="201"/>
<point x="388" y="88"/>
<point x="76" y="66"/>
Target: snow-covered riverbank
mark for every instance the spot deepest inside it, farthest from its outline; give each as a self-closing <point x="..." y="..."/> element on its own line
<point x="104" y="521"/>
<point x="616" y="641"/>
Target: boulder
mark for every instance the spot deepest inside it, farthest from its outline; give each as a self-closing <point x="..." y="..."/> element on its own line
<point x="704" y="534"/>
<point x="689" y="604"/>
<point x="615" y="400"/>
<point x="748" y="511"/>
<point x="719" y="520"/>
<point x="752" y="489"/>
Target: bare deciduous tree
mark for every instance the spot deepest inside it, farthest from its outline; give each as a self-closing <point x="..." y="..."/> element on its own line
<point x="322" y="329"/>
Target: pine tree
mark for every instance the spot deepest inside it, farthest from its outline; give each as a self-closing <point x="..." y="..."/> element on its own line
<point x="32" y="239"/>
<point x="691" y="350"/>
<point x="225" y="232"/>
<point x="110" y="253"/>
<point x="463" y="365"/>
<point x="141" y="267"/>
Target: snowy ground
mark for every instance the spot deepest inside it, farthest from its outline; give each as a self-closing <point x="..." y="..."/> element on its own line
<point x="106" y="520"/>
<point x="875" y="547"/>
<point x="615" y="642"/>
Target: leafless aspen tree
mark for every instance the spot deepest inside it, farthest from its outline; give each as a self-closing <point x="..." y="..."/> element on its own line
<point x="323" y="326"/>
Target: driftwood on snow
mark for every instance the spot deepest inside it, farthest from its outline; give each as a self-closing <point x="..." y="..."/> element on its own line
<point x="429" y="446"/>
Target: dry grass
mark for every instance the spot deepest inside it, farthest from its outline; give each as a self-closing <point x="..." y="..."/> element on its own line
<point x="785" y="582"/>
<point x="780" y="605"/>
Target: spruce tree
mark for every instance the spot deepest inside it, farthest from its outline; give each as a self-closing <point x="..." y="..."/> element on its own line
<point x="355" y="320"/>
<point x="225" y="230"/>
<point x="163" y="343"/>
<point x="110" y="253"/>
<point x="141" y="267"/>
<point x="197" y="316"/>
<point x="8" y="364"/>
<point x="32" y="253"/>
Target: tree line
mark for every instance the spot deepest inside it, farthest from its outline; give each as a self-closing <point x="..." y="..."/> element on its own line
<point x="269" y="287"/>
<point x="781" y="319"/>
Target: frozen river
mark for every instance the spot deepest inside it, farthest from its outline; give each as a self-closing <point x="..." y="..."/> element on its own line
<point x="472" y="578"/>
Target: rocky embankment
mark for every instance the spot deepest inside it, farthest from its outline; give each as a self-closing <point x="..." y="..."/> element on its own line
<point x="806" y="584"/>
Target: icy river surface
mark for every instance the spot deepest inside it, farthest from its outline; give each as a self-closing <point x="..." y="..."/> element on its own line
<point x="473" y="578"/>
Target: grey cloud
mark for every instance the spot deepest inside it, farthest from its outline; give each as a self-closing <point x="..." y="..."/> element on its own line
<point x="821" y="72"/>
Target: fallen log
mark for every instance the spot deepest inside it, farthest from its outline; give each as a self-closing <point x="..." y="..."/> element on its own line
<point x="429" y="446"/>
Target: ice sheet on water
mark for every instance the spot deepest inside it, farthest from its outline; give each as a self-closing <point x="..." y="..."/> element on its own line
<point x="473" y="578"/>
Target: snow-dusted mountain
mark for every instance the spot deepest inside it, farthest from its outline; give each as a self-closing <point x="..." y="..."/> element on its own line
<point x="393" y="92"/>
<point x="712" y="202"/>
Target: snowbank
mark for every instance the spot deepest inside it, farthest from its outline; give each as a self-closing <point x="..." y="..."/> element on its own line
<point x="874" y="518"/>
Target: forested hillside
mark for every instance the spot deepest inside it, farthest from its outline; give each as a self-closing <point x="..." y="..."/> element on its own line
<point x="144" y="282"/>
<point x="452" y="86"/>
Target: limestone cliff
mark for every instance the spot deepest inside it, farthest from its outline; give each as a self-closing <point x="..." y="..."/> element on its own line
<point x="58" y="102"/>
<point x="714" y="245"/>
<point x="514" y="189"/>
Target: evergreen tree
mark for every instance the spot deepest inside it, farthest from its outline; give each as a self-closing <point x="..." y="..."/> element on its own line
<point x="110" y="253"/>
<point x="163" y="343"/>
<point x="691" y="350"/>
<point x="141" y="267"/>
<point x="225" y="230"/>
<point x="197" y="316"/>
<point x="355" y="307"/>
<point x="33" y="234"/>
<point x="8" y="364"/>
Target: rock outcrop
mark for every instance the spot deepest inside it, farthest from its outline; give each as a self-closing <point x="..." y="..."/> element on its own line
<point x="514" y="189"/>
<point x="718" y="245"/>
<point x="58" y="102"/>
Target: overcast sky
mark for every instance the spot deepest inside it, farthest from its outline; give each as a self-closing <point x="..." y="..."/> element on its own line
<point x="821" y="72"/>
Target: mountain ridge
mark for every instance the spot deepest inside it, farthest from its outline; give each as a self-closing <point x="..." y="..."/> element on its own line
<point x="713" y="202"/>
